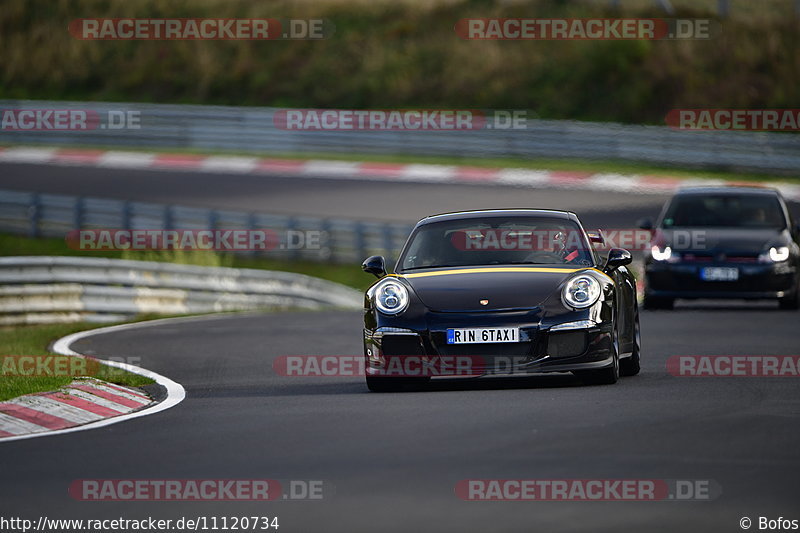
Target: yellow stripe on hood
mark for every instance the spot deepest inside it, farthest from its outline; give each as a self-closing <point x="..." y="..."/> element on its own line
<point x="498" y="269"/>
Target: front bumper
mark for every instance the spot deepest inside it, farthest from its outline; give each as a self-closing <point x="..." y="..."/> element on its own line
<point x="683" y="280"/>
<point x="425" y="353"/>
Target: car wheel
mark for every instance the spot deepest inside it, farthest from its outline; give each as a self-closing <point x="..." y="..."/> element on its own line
<point x="658" y="302"/>
<point x="791" y="301"/>
<point x="384" y="384"/>
<point x="630" y="366"/>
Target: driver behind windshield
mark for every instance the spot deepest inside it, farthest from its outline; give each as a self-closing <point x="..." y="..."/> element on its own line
<point x="515" y="241"/>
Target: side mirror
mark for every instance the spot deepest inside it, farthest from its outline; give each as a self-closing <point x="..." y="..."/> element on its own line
<point x="645" y="223"/>
<point x="617" y="257"/>
<point x="374" y="265"/>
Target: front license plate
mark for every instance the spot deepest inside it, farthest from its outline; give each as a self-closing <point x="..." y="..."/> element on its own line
<point x="481" y="335"/>
<point x="719" y="274"/>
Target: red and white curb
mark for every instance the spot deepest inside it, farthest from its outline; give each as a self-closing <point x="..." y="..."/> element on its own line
<point x="87" y="403"/>
<point x="82" y="402"/>
<point x="412" y="173"/>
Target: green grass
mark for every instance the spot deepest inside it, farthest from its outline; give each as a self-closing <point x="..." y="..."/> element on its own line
<point x="35" y="340"/>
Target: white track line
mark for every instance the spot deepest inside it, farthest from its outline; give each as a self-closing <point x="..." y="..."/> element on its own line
<point x="175" y="391"/>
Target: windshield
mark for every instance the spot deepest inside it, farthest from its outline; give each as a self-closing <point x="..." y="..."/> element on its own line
<point x="725" y="210"/>
<point x="497" y="241"/>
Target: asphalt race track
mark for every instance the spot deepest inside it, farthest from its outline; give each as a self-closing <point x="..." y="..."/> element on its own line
<point x="318" y="197"/>
<point x="390" y="462"/>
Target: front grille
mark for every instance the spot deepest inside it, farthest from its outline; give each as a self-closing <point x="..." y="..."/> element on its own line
<point x="398" y="345"/>
<point x="567" y="344"/>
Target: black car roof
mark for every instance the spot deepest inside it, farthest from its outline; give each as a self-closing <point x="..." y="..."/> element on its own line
<point x="492" y="213"/>
<point x="732" y="189"/>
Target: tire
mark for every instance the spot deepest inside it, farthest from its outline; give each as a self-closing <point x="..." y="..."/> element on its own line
<point x="630" y="366"/>
<point x="657" y="302"/>
<point x="385" y="384"/>
<point x="790" y="302"/>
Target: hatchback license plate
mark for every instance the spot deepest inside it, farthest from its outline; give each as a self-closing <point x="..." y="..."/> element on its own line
<point x="719" y="274"/>
<point x="481" y="335"/>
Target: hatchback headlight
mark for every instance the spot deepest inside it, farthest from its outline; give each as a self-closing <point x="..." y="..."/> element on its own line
<point x="779" y="254"/>
<point x="664" y="254"/>
<point x="391" y="297"/>
<point x="581" y="291"/>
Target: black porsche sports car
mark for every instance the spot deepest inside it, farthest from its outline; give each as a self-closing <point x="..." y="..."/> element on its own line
<point x="723" y="242"/>
<point x="497" y="292"/>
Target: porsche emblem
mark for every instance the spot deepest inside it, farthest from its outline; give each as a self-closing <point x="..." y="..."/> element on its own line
<point x="484" y="302"/>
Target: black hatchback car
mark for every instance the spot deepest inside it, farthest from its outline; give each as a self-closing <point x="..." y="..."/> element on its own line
<point x="511" y="291"/>
<point x="723" y="242"/>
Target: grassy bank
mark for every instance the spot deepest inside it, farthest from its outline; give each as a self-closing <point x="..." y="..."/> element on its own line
<point x="35" y="340"/>
<point x="406" y="54"/>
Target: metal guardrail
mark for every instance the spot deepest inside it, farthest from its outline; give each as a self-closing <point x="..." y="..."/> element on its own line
<point x="54" y="215"/>
<point x="44" y="289"/>
<point x="251" y="129"/>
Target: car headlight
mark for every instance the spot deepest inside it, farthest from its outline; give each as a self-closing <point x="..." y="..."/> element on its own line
<point x="779" y="254"/>
<point x="391" y="297"/>
<point x="661" y="255"/>
<point x="581" y="291"/>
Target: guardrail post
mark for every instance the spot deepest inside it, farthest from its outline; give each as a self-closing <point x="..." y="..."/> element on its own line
<point x="291" y="225"/>
<point x="388" y="241"/>
<point x="213" y="219"/>
<point x="35" y="214"/>
<point x="252" y="220"/>
<point x="79" y="212"/>
<point x="325" y="240"/>
<point x="361" y="240"/>
<point x="127" y="215"/>
<point x="168" y="217"/>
